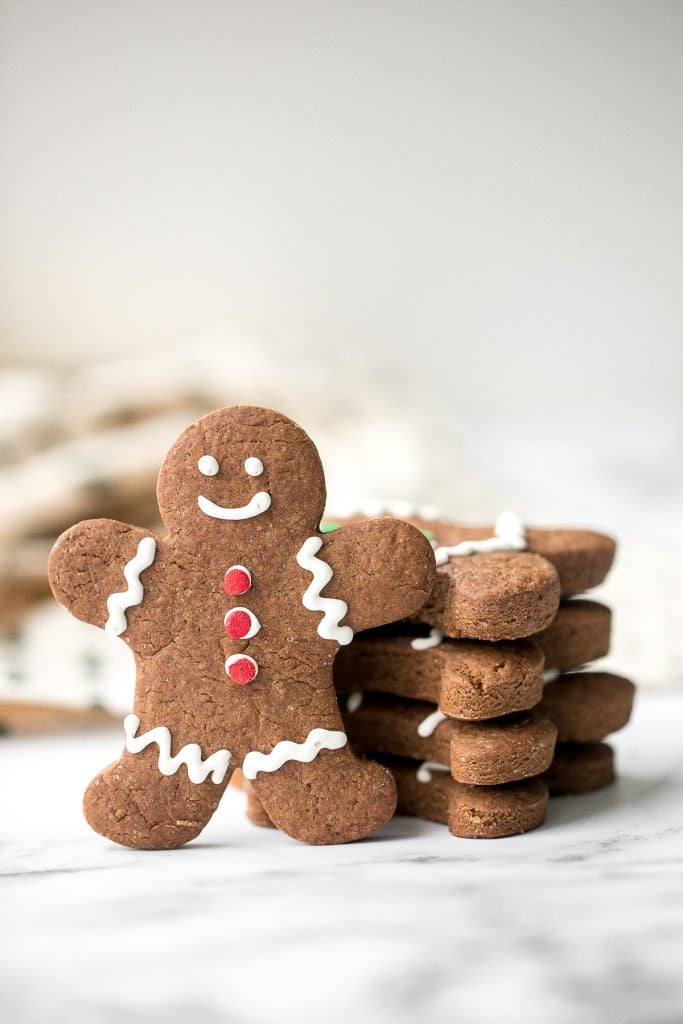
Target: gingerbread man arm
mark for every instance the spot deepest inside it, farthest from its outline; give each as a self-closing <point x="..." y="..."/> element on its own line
<point x="95" y="571"/>
<point x="382" y="568"/>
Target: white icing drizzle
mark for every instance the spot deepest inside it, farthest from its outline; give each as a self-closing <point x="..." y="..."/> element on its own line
<point x="198" y="770"/>
<point x="260" y="502"/>
<point x="333" y="608"/>
<point x="287" y="750"/>
<point x="427" y="768"/>
<point x="354" y="701"/>
<point x="428" y="725"/>
<point x="117" y="604"/>
<point x="509" y="535"/>
<point x="373" y="507"/>
<point x="424" y="643"/>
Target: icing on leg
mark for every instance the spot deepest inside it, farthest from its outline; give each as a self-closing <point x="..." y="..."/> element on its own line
<point x="133" y="804"/>
<point x="286" y="750"/>
<point x="190" y="755"/>
<point x="335" y="798"/>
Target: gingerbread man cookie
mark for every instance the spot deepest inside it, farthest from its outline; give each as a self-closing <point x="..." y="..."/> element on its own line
<point x="234" y="619"/>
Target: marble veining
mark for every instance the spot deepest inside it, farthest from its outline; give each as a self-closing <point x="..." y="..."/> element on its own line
<point x="579" y="921"/>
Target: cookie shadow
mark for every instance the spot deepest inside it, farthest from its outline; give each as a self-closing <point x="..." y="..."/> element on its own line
<point x="626" y="791"/>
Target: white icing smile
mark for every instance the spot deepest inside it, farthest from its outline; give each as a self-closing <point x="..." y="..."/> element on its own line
<point x="259" y="503"/>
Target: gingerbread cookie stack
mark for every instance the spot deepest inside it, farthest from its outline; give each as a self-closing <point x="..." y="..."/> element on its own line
<point x="483" y="713"/>
<point x="476" y="705"/>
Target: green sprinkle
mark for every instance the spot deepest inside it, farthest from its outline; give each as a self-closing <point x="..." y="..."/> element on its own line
<point x="428" y="534"/>
<point x="327" y="526"/>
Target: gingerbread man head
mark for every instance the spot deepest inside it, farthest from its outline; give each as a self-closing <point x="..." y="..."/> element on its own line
<point x="241" y="471"/>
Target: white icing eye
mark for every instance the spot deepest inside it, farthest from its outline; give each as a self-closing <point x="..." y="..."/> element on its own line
<point x="208" y="465"/>
<point x="253" y="466"/>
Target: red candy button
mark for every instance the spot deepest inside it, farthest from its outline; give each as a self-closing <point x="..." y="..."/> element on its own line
<point x="237" y="580"/>
<point x="241" y="624"/>
<point x="241" y="668"/>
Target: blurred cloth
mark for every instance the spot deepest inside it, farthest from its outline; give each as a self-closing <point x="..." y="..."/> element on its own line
<point x="88" y="443"/>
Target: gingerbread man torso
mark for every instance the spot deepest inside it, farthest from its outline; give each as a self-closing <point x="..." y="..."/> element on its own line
<point x="244" y="668"/>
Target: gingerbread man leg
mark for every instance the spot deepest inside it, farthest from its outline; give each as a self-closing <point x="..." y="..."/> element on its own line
<point x="347" y="797"/>
<point x="312" y="785"/>
<point x="131" y="802"/>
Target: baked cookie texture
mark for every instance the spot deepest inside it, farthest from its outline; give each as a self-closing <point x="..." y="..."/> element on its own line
<point x="480" y="704"/>
<point x="234" y="619"/>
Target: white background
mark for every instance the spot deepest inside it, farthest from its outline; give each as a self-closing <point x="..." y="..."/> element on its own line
<point x="445" y="236"/>
<point x="487" y="194"/>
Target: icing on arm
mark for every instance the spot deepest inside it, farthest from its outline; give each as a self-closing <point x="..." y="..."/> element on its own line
<point x="287" y="750"/>
<point x="333" y="608"/>
<point x="198" y="770"/>
<point x="119" y="603"/>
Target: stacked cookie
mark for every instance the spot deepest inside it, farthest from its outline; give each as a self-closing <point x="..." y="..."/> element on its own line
<point x="483" y="714"/>
<point x="477" y="705"/>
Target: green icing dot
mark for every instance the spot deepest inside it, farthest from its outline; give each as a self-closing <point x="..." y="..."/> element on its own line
<point x="328" y="526"/>
<point x="428" y="534"/>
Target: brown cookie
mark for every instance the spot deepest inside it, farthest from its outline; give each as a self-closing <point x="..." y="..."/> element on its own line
<point x="582" y="558"/>
<point x="579" y="634"/>
<point x="256" y="812"/>
<point x="500" y="594"/>
<point x="233" y="639"/>
<point x="479" y="753"/>
<point x="587" y="706"/>
<point x="471" y="812"/>
<point x="503" y="595"/>
<point x="468" y="679"/>
<point x="580" y="768"/>
<point x="495" y="582"/>
<point x="491" y="812"/>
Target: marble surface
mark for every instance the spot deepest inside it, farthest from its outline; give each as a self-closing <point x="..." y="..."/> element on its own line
<point x="579" y="921"/>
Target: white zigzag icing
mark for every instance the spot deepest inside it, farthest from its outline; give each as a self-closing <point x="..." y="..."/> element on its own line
<point x="509" y="535"/>
<point x="427" y="768"/>
<point x="424" y="643"/>
<point x="287" y="750"/>
<point x="191" y="754"/>
<point x="117" y="604"/>
<point x="333" y="608"/>
<point x="429" y="724"/>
